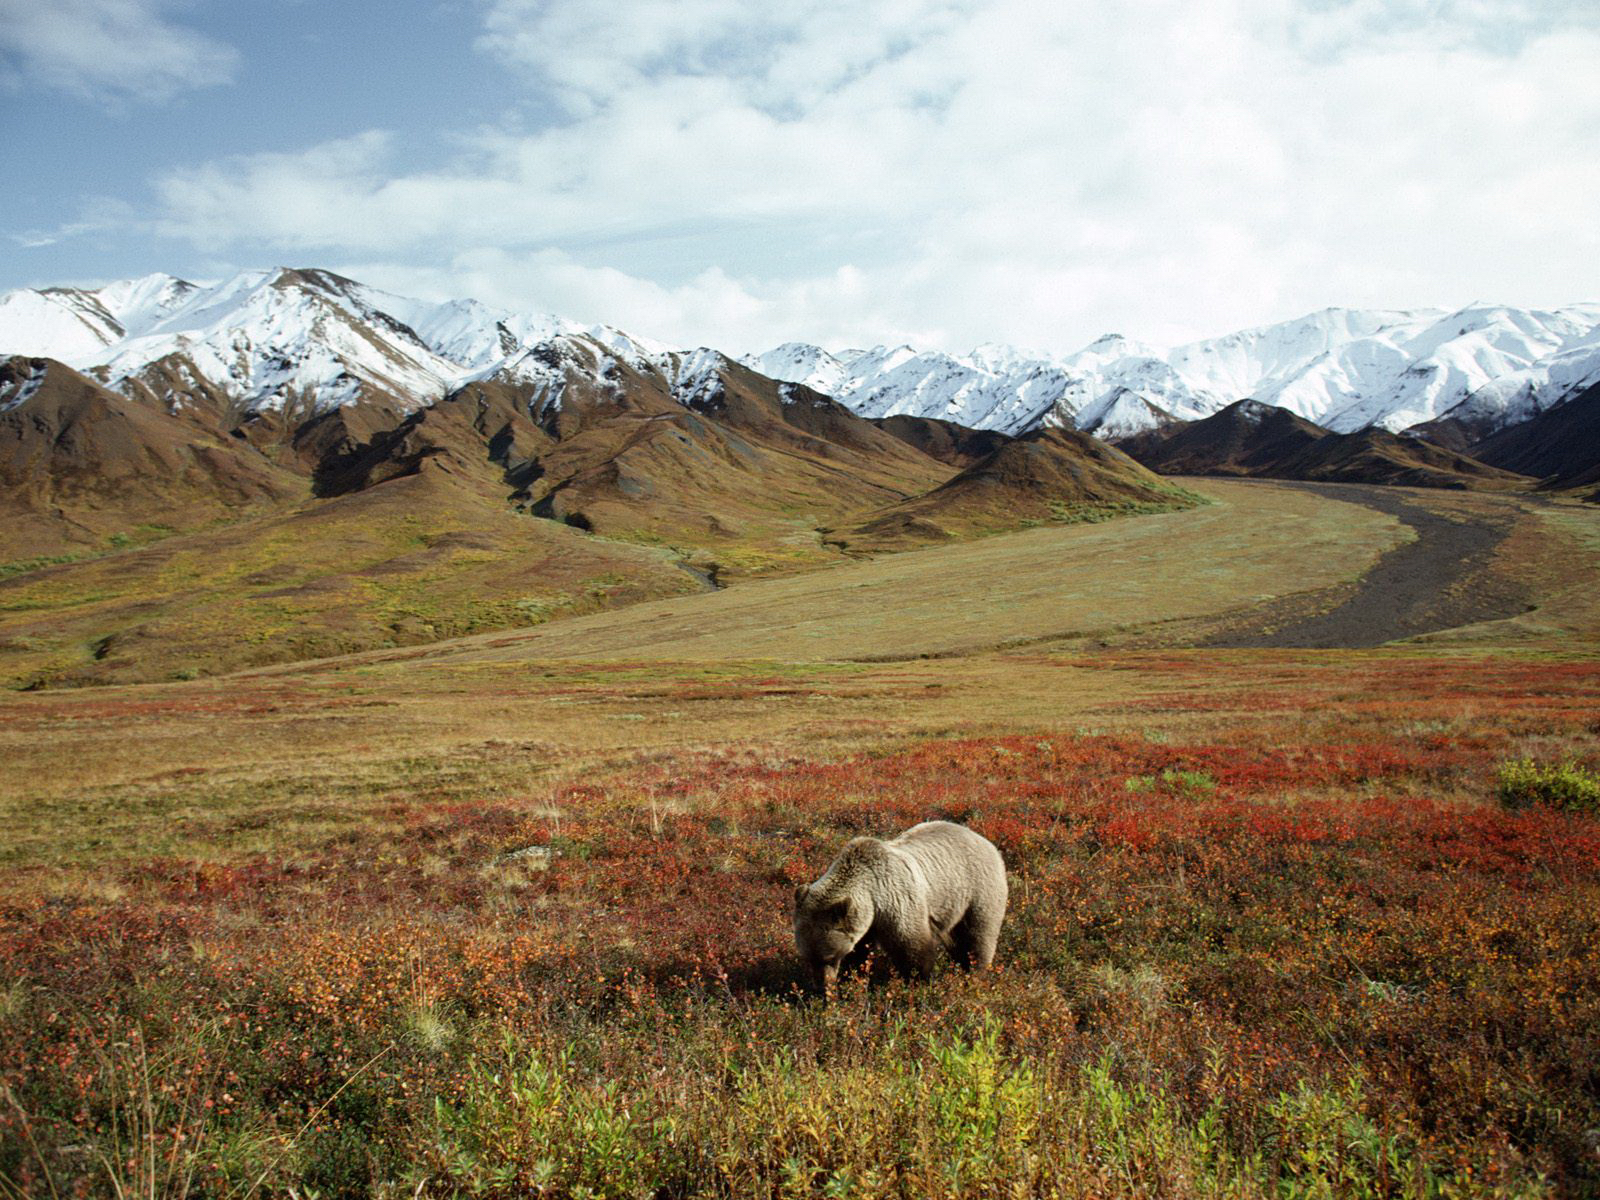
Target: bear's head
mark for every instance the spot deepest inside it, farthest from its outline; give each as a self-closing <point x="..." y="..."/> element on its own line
<point x="826" y="928"/>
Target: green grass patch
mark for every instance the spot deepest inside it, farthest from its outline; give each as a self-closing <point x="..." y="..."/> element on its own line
<point x="1183" y="783"/>
<point x="1569" y="785"/>
<point x="139" y="535"/>
<point x="23" y="566"/>
<point x="1062" y="513"/>
<point x="943" y="1116"/>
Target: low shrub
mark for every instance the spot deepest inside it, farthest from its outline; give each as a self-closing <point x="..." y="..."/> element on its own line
<point x="1565" y="785"/>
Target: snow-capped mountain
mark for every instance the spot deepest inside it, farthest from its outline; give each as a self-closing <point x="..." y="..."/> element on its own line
<point x="983" y="390"/>
<point x="1520" y="395"/>
<point x="264" y="340"/>
<point x="1345" y="369"/>
<point x="310" y="340"/>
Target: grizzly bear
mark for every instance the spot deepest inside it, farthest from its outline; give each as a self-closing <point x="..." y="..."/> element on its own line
<point x="935" y="885"/>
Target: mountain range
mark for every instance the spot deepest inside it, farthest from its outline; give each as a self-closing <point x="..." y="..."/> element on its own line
<point x="306" y="342"/>
<point x="1249" y="438"/>
<point x="290" y="463"/>
<point x="1481" y="367"/>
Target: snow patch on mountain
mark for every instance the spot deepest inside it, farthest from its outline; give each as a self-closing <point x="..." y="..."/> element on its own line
<point x="270" y="338"/>
<point x="17" y="392"/>
<point x="58" y="322"/>
<point x="987" y="389"/>
<point x="796" y="362"/>
<point x="1522" y="394"/>
<point x="696" y="377"/>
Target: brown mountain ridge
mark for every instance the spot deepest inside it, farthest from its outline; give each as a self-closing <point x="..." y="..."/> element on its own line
<point x="401" y="527"/>
<point x="80" y="464"/>
<point x="1050" y="475"/>
<point x="1560" y="446"/>
<point x="1248" y="438"/>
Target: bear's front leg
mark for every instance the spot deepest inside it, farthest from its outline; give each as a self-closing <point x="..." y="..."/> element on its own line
<point x="917" y="957"/>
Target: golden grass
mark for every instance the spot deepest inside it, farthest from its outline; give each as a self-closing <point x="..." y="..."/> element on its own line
<point x="1254" y="543"/>
<point x="292" y="756"/>
<point x="410" y="561"/>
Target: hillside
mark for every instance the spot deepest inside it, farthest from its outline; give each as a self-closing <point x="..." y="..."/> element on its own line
<point x="654" y="483"/>
<point x="1056" y="582"/>
<point x="1560" y="446"/>
<point x="409" y="560"/>
<point x="81" y="465"/>
<point x="1252" y="439"/>
<point x="1052" y="475"/>
<point x="1377" y="456"/>
<point x="956" y="445"/>
<point x="437" y="527"/>
<point x="350" y="386"/>
<point x="736" y="462"/>
<point x="720" y="462"/>
<point x="1246" y="438"/>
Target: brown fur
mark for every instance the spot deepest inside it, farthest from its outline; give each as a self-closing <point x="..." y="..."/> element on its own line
<point x="935" y="885"/>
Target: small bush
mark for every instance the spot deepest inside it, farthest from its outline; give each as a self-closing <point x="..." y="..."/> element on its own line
<point x="1180" y="783"/>
<point x="537" y="1125"/>
<point x="1566" y="785"/>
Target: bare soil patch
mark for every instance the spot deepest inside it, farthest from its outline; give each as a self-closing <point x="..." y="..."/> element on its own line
<point x="1441" y="580"/>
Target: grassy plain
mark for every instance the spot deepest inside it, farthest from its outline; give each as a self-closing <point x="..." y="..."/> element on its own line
<point x="1062" y="582"/>
<point x="417" y="559"/>
<point x="509" y="916"/>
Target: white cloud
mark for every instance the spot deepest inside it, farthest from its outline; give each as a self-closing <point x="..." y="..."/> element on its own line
<point x="954" y="172"/>
<point x="838" y="304"/>
<point x="113" y="51"/>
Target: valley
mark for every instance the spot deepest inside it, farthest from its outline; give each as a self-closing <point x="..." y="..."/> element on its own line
<point x="351" y="901"/>
<point x="920" y="600"/>
<point x="290" y="464"/>
<point x="418" y="719"/>
<point x="1440" y="580"/>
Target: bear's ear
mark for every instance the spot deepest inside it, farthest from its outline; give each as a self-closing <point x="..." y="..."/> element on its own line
<point x="800" y="894"/>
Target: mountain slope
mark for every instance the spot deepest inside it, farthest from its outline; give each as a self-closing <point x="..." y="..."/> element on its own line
<point x="1560" y="446"/>
<point x="80" y="464"/>
<point x="1378" y="456"/>
<point x="946" y="441"/>
<point x="1246" y="438"/>
<point x="1252" y="439"/>
<point x="352" y="386"/>
<point x="406" y="561"/>
<point x="1048" y="475"/>
<point x="700" y="453"/>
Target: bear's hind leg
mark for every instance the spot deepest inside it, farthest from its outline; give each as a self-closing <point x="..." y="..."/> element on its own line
<point x="979" y="933"/>
<point x="959" y="942"/>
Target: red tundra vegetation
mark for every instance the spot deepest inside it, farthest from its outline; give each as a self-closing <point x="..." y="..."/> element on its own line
<point x="1294" y="946"/>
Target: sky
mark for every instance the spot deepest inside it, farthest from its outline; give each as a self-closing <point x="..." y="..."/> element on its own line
<point x="740" y="173"/>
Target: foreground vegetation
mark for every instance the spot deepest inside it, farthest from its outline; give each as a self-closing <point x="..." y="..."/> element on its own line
<point x="509" y="916"/>
<point x="1273" y="933"/>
